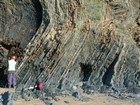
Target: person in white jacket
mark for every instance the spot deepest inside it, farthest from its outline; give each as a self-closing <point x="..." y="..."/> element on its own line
<point x="12" y="72"/>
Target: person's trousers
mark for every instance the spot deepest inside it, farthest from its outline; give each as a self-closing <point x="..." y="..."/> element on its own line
<point x="11" y="79"/>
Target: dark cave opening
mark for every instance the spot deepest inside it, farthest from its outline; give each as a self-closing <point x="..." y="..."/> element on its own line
<point x="109" y="73"/>
<point x="86" y="71"/>
<point x="38" y="9"/>
<point x="3" y="77"/>
<point x="22" y="20"/>
<point x="137" y="78"/>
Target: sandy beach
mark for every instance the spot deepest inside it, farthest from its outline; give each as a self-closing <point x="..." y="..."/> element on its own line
<point x="96" y="99"/>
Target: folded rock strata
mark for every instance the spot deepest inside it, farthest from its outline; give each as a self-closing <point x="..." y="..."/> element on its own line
<point x="62" y="43"/>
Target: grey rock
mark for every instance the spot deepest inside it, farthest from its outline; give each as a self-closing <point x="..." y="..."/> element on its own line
<point x="84" y="99"/>
<point x="77" y="95"/>
<point x="66" y="102"/>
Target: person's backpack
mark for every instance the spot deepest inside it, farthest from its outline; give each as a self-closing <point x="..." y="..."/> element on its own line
<point x="40" y="85"/>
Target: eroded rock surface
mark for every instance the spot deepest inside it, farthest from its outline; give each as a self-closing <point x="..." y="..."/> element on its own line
<point x="95" y="42"/>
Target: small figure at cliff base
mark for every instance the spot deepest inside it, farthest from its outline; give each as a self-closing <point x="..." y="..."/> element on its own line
<point x="12" y="72"/>
<point x="40" y="85"/>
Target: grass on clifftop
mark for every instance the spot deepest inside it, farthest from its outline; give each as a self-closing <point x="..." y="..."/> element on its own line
<point x="94" y="9"/>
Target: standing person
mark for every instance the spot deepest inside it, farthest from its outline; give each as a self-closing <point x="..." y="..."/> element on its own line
<point x="12" y="72"/>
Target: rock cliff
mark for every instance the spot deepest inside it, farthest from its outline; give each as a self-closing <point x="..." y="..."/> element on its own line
<point x="66" y="42"/>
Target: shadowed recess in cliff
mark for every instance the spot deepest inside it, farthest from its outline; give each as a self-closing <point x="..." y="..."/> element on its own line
<point x="86" y="71"/>
<point x="38" y="9"/>
<point x="3" y="77"/>
<point x="109" y="73"/>
<point x="22" y="20"/>
<point x="137" y="76"/>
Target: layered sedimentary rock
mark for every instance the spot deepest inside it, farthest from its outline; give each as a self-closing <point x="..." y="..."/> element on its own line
<point x="67" y="42"/>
